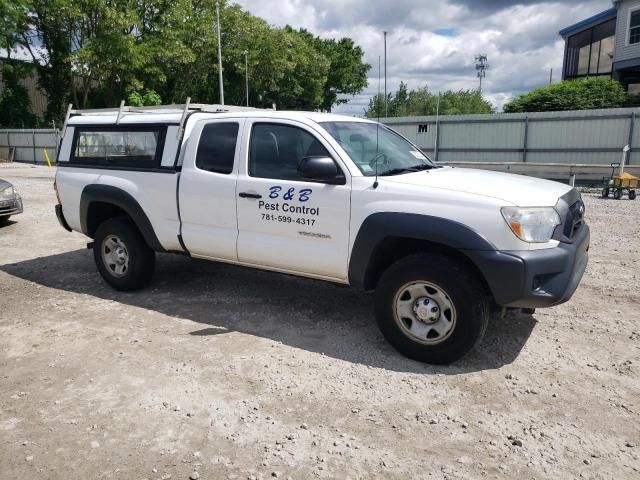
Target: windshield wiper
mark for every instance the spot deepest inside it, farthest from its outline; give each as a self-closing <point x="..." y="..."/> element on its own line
<point x="414" y="168"/>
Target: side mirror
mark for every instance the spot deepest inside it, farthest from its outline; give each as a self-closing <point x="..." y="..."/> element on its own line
<point x="321" y="169"/>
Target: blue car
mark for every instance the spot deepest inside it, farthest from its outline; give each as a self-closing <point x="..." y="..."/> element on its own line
<point x="10" y="201"/>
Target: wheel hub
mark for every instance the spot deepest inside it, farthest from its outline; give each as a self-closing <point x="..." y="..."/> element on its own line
<point x="426" y="310"/>
<point x="120" y="256"/>
<point x="115" y="256"/>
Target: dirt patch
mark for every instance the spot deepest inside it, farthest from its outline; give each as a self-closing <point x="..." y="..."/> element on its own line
<point x="218" y="372"/>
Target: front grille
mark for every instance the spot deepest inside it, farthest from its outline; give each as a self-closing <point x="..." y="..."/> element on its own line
<point x="570" y="207"/>
<point x="574" y="219"/>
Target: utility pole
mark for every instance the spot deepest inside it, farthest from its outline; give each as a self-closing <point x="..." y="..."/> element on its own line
<point x="219" y="56"/>
<point x="481" y="67"/>
<point x="551" y="76"/>
<point x="386" y="107"/>
<point x="246" y="75"/>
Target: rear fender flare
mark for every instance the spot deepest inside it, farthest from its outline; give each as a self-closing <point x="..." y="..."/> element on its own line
<point x="123" y="200"/>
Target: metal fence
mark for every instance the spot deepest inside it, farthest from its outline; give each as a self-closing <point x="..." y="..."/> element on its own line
<point x="29" y="145"/>
<point x="574" y="137"/>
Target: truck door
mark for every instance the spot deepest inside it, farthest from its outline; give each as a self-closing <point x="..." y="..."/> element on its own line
<point x="207" y="189"/>
<point x="285" y="221"/>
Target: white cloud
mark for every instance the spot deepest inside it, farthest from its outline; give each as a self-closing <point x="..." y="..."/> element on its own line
<point x="520" y="38"/>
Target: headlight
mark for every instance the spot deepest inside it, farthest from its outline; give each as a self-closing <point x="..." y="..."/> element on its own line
<point x="7" y="192"/>
<point x="534" y="225"/>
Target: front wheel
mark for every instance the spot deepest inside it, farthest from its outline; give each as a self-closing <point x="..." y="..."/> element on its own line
<point x="431" y="308"/>
<point x="605" y="192"/>
<point x="617" y="194"/>
<point x="123" y="258"/>
<point x="632" y="194"/>
<point x="4" y="218"/>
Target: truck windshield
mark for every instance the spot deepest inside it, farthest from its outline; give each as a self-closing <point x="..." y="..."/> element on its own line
<point x="370" y="143"/>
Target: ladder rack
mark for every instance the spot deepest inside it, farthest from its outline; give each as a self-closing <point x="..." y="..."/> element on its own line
<point x="174" y="108"/>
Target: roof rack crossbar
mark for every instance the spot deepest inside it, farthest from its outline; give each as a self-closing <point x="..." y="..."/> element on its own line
<point x="202" y="107"/>
<point x="120" y="112"/>
<point x="66" y="119"/>
<point x="184" y="117"/>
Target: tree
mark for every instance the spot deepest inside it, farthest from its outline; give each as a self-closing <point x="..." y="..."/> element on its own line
<point x="52" y="24"/>
<point x="583" y="94"/>
<point x="95" y="53"/>
<point x="421" y="101"/>
<point x="15" y="106"/>
<point x="347" y="73"/>
<point x="13" y="23"/>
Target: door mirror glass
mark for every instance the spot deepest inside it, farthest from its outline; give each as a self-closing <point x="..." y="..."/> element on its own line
<point x="320" y="169"/>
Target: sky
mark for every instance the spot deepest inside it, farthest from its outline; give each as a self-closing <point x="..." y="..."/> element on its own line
<point x="433" y="42"/>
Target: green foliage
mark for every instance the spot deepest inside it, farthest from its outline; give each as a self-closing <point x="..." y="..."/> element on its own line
<point x="99" y="52"/>
<point x="15" y="106"/>
<point x="583" y="94"/>
<point x="53" y="22"/>
<point x="346" y="73"/>
<point x="150" y="98"/>
<point x="13" y="22"/>
<point x="421" y="101"/>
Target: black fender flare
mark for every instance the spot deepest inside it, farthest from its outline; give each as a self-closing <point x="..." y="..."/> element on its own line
<point x="123" y="200"/>
<point x="379" y="226"/>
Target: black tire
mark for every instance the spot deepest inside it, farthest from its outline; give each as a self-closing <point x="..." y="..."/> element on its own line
<point x="632" y="194"/>
<point x="141" y="259"/>
<point x="4" y="219"/>
<point x="460" y="287"/>
<point x="617" y="194"/>
<point x="605" y="192"/>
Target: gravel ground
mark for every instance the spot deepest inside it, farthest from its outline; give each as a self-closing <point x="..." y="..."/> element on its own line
<point x="220" y="372"/>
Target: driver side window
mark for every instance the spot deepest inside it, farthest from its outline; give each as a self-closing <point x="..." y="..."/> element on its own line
<point x="276" y="149"/>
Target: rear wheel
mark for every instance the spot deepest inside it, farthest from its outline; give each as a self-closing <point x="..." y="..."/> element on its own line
<point x="4" y="219"/>
<point x="122" y="256"/>
<point x="431" y="308"/>
<point x="632" y="194"/>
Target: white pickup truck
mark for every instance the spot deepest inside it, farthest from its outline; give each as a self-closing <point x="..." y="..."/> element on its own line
<point x="329" y="197"/>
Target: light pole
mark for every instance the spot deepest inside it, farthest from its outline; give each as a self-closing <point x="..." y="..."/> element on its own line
<point x="219" y="55"/>
<point x="246" y="75"/>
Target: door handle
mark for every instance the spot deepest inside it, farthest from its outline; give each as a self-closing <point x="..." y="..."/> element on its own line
<point x="249" y="195"/>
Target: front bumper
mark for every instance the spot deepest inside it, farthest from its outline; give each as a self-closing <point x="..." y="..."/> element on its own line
<point x="12" y="206"/>
<point x="535" y="278"/>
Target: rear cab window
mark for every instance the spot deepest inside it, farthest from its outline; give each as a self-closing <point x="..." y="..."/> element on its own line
<point x="217" y="147"/>
<point x="128" y="146"/>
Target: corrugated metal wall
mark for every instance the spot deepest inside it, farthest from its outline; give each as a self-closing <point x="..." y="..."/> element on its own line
<point x="585" y="137"/>
<point x="29" y="144"/>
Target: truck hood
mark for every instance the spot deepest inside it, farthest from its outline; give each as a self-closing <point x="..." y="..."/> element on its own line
<point x="514" y="189"/>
